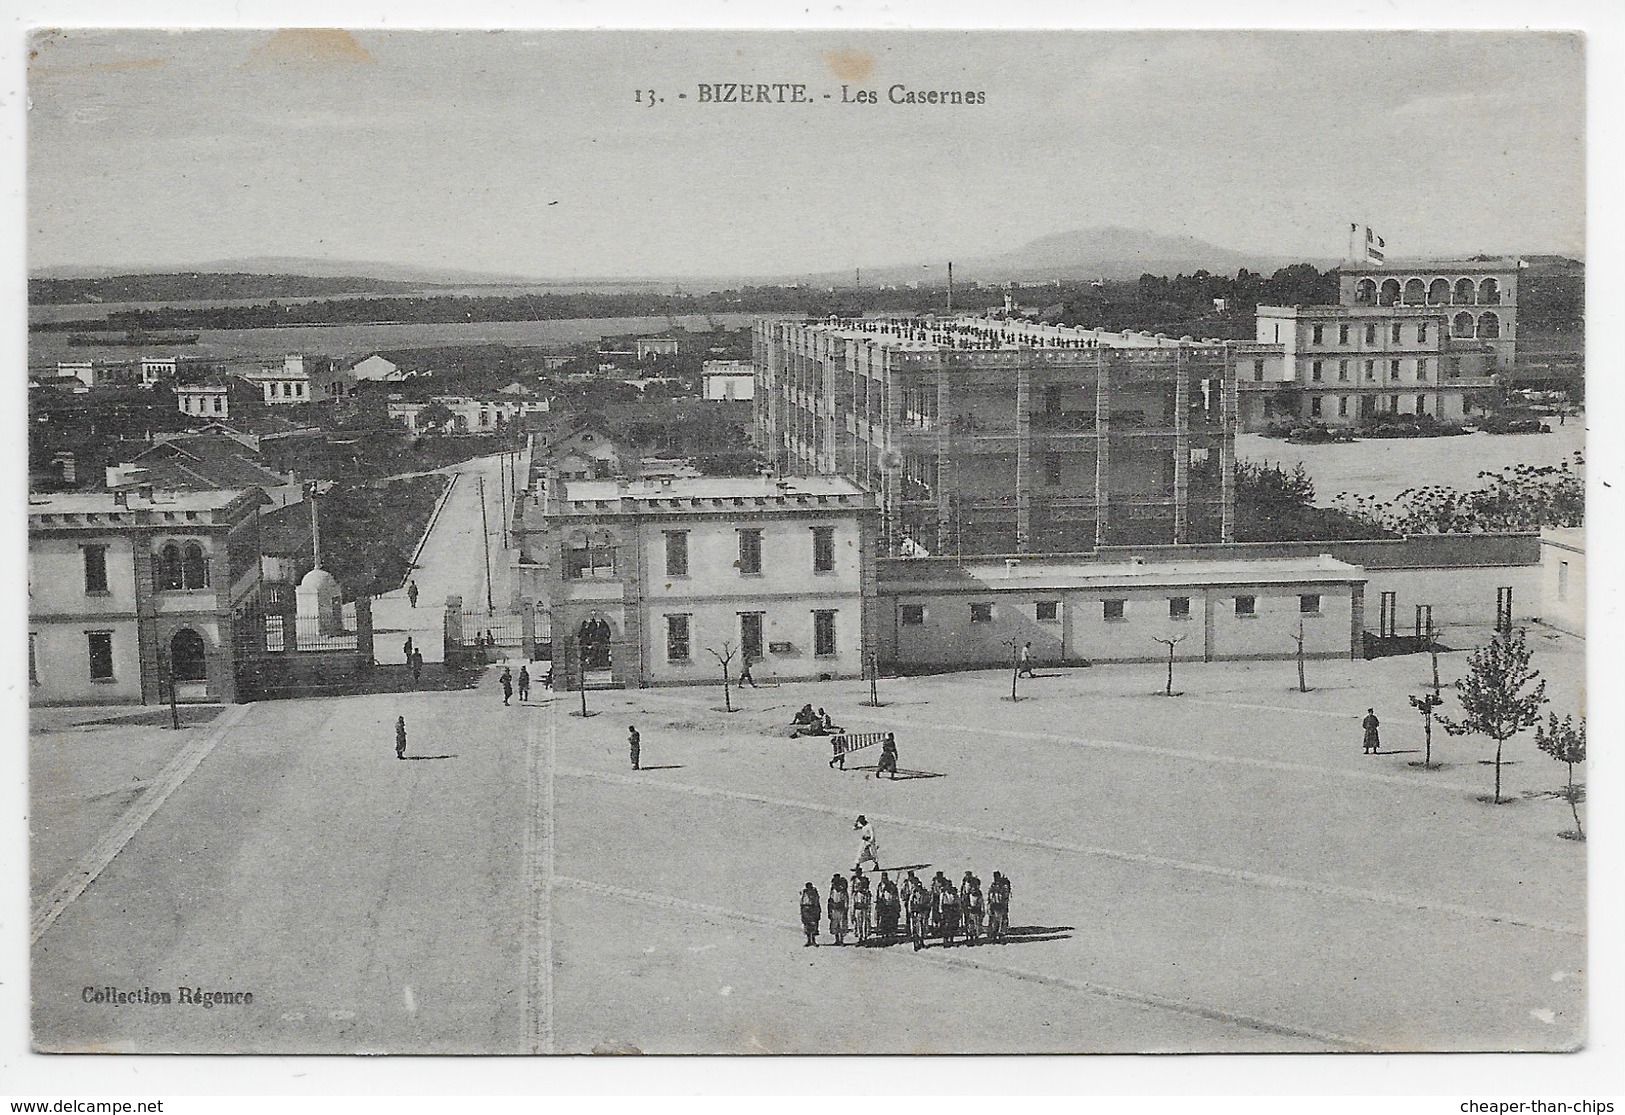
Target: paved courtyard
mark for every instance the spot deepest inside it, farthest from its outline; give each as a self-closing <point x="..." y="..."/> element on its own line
<point x="1219" y="871"/>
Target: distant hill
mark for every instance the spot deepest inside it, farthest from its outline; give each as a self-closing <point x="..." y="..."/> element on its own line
<point x="404" y="274"/>
<point x="196" y="286"/>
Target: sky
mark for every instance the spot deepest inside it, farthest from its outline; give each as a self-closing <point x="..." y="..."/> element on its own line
<point x="529" y="152"/>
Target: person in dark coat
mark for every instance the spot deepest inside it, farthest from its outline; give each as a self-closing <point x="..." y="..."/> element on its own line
<point x="412" y="592"/>
<point x="406" y="650"/>
<point x="887" y="908"/>
<point x="919" y="914"/>
<point x="836" y="907"/>
<point x="810" y="914"/>
<point x="417" y="665"/>
<point x="744" y="673"/>
<point x="507" y="685"/>
<point x="524" y="683"/>
<point x="400" y="737"/>
<point x="1373" y="742"/>
<point x="888" y="757"/>
<point x="634" y="744"/>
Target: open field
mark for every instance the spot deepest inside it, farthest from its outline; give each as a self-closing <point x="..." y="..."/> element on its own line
<point x="1220" y="871"/>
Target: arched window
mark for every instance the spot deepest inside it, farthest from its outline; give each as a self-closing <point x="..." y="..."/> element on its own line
<point x="194" y="567"/>
<point x="1365" y="292"/>
<point x="187" y="657"/>
<point x="1489" y="293"/>
<point x="1489" y="327"/>
<point x="1415" y="292"/>
<point x="1439" y="292"/>
<point x="1464" y="292"/>
<point x="1390" y="292"/>
<point x="1461" y="325"/>
<point x="166" y="571"/>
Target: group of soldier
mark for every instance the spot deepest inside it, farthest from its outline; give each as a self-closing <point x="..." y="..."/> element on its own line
<point x="921" y="910"/>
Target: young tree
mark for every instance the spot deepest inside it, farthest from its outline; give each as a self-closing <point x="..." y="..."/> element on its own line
<point x="1303" y="685"/>
<point x="724" y="657"/>
<point x="1168" y="690"/>
<point x="1566" y="742"/>
<point x="1428" y="702"/>
<point x="1500" y="696"/>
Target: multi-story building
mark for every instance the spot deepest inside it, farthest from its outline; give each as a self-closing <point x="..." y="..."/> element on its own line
<point x="126" y="589"/>
<point x="1341" y="365"/>
<point x="303" y="380"/>
<point x="469" y="415"/>
<point x="220" y="397"/>
<point x="992" y="436"/>
<point x="1479" y="297"/>
<point x="647" y="581"/>
<point x="723" y="380"/>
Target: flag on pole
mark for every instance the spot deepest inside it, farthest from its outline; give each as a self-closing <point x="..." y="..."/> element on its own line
<point x="1369" y="248"/>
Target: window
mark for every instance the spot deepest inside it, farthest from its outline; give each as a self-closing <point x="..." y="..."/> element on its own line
<point x="1047" y="611"/>
<point x="1246" y="606"/>
<point x="1371" y="371"/>
<point x="1421" y="404"/>
<point x="1393" y="334"/>
<point x="1258" y="371"/>
<point x="677" y="554"/>
<point x="1309" y="604"/>
<point x="1421" y="368"/>
<point x="1113" y="609"/>
<point x="913" y="615"/>
<point x="1343" y="370"/>
<point x="1422" y="333"/>
<point x="194" y="568"/>
<point x="1393" y="403"/>
<point x="981" y="613"/>
<point x="750" y="635"/>
<point x="676" y="638"/>
<point x="823" y="549"/>
<point x="33" y="665"/>
<point x="1314" y="406"/>
<point x="1371" y="334"/>
<point x="1314" y="371"/>
<point x="750" y="551"/>
<point x="1179" y="607"/>
<point x="1342" y="406"/>
<point x="1393" y="369"/>
<point x="823" y="634"/>
<point x="219" y="404"/>
<point x="95" y="569"/>
<point x="101" y="655"/>
<point x="1342" y="334"/>
<point x="1318" y="335"/>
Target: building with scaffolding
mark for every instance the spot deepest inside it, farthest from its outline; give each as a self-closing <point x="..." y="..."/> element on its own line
<point x="984" y="435"/>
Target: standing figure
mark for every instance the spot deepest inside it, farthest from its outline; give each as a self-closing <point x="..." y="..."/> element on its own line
<point x="918" y="914"/>
<point x="911" y="885"/>
<point x="633" y="740"/>
<point x="1026" y="670"/>
<point x="810" y="914"/>
<point x="417" y="665"/>
<point x="888" y="757"/>
<point x="837" y="904"/>
<point x="948" y="902"/>
<point x="507" y="685"/>
<point x="412" y="592"/>
<point x="971" y="908"/>
<point x="837" y="752"/>
<point x="887" y="908"/>
<point x="862" y="908"/>
<point x="998" y="908"/>
<point x="1373" y="743"/>
<point x="744" y="673"/>
<point x="869" y="848"/>
<point x="400" y="737"/>
<point x="939" y="883"/>
<point x="406" y="650"/>
<point x="524" y="684"/>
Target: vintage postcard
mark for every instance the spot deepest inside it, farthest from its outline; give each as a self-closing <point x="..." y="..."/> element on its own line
<point x="817" y="542"/>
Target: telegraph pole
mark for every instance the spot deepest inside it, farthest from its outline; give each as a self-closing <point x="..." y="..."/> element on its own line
<point x="315" y="530"/>
<point x="485" y="538"/>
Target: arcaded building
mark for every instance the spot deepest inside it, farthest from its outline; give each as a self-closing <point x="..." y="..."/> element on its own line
<point x="1478" y="297"/>
<point x="981" y="435"/>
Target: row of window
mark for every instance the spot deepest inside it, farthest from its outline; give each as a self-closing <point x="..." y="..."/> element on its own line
<point x="679" y="635"/>
<point x="175" y="567"/>
<point x="1436" y="293"/>
<point x="750" y="551"/>
<point x="1049" y="611"/>
<point x="1487" y="325"/>
<point x="1317" y="370"/>
<point x="187" y="661"/>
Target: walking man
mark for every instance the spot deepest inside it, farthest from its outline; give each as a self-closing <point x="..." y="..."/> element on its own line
<point x="633" y="740"/>
<point x="998" y="908"/>
<point x="744" y="673"/>
<point x="888" y="757"/>
<point x="400" y="737"/>
<point x="836" y="906"/>
<point x="868" y="849"/>
<point x="809" y="901"/>
<point x="417" y="665"/>
<point x="507" y="685"/>
<point x="412" y="592"/>
<point x="524" y="684"/>
<point x="406" y="650"/>
<point x="1373" y="743"/>
<point x="1026" y="670"/>
<point x="972" y="905"/>
<point x="919" y="912"/>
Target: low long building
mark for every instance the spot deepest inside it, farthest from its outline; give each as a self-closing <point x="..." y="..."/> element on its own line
<point x="942" y="615"/>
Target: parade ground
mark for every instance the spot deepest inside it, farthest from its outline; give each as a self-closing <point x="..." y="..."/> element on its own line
<point x="1223" y="870"/>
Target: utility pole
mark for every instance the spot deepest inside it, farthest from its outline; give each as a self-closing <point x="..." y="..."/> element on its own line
<point x="315" y="529"/>
<point x="485" y="538"/>
<point x="502" y="487"/>
<point x="1015" y="665"/>
<point x="581" y="655"/>
<point x="169" y="676"/>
